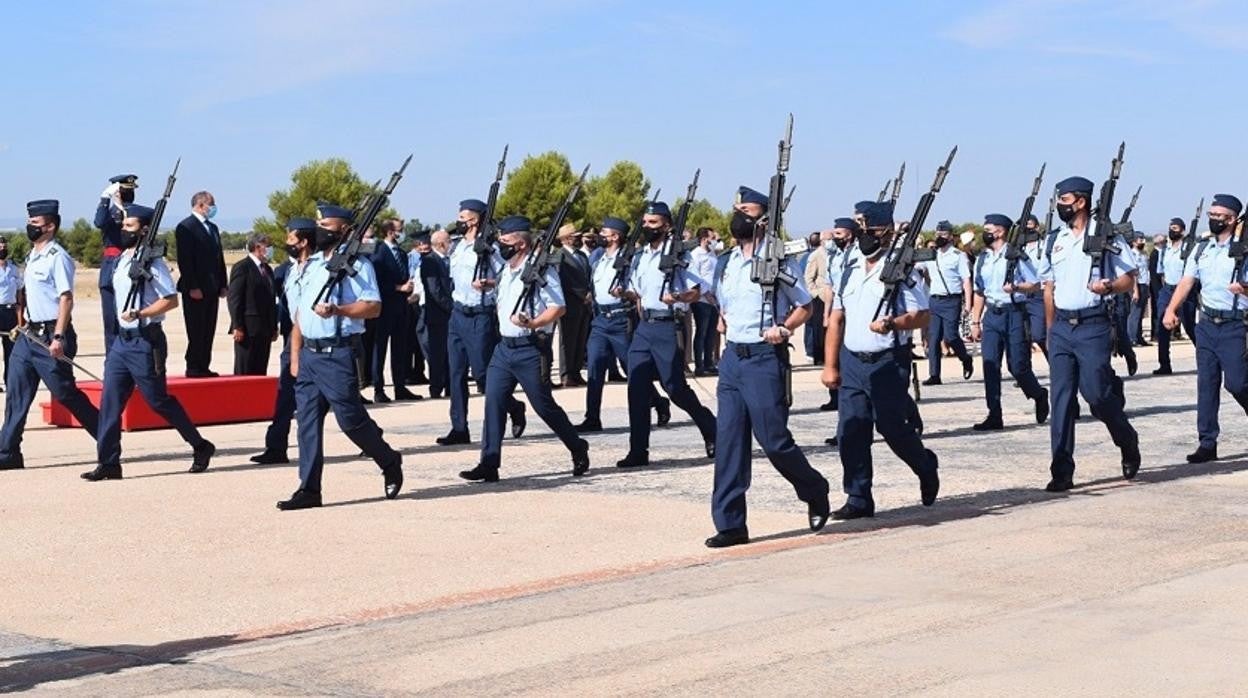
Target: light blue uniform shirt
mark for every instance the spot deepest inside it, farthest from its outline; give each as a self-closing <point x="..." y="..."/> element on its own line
<point x="10" y="282"/>
<point x="159" y="286"/>
<point x="1141" y="266"/>
<point x="49" y="275"/>
<point x="603" y="274"/>
<point x="863" y="291"/>
<point x="463" y="268"/>
<point x="1170" y="262"/>
<point x="1069" y="269"/>
<point x="990" y="277"/>
<point x="646" y="279"/>
<point x="740" y="299"/>
<point x="836" y="264"/>
<point x="1213" y="268"/>
<point x="1034" y="250"/>
<point x="511" y="287"/>
<point x="947" y="271"/>
<point x="304" y="283"/>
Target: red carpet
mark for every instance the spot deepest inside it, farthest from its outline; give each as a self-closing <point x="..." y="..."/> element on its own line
<point x="206" y="401"/>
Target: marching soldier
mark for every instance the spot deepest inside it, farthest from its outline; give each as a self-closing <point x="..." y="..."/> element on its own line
<point x="10" y="288"/>
<point x="1037" y="332"/>
<point x="654" y="349"/>
<point x="949" y="277"/>
<point x="869" y="361"/>
<point x="517" y="358"/>
<point x="999" y="318"/>
<point x="323" y="346"/>
<point x="138" y="355"/>
<point x="844" y="231"/>
<point x="108" y="215"/>
<point x="753" y="386"/>
<point x="1220" y="333"/>
<point x="1080" y="335"/>
<point x="1170" y="264"/>
<point x="473" y="330"/>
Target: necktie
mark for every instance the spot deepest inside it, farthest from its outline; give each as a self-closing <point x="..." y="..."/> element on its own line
<point x="212" y="233"/>
<point x="267" y="274"/>
<point x="401" y="260"/>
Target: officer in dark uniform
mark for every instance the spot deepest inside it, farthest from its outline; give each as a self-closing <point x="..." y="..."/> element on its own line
<point x="609" y="333"/>
<point x="323" y="350"/>
<point x="1220" y="332"/>
<point x="516" y="360"/>
<point x="949" y="277"/>
<point x="1079" y="336"/>
<point x="869" y="361"/>
<point x="1170" y="265"/>
<point x="653" y="350"/>
<point x="999" y="318"/>
<point x="752" y="387"/>
<point x="1037" y="329"/>
<point x="473" y="330"/>
<point x="277" y="436"/>
<point x="49" y="280"/>
<point x="108" y="214"/>
<point x="138" y="355"/>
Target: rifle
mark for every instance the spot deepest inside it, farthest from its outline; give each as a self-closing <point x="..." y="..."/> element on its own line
<point x="1016" y="238"/>
<point x="624" y="260"/>
<point x="533" y="276"/>
<point x="673" y="257"/>
<point x="149" y="248"/>
<point x="1048" y="219"/>
<point x="785" y="206"/>
<point x="883" y="192"/>
<point x="1135" y="198"/>
<point x="901" y="176"/>
<point x="487" y="233"/>
<point x="1237" y="252"/>
<point x="1189" y="243"/>
<point x="900" y="259"/>
<point x="1097" y="240"/>
<point x="342" y="263"/>
<point x="767" y="268"/>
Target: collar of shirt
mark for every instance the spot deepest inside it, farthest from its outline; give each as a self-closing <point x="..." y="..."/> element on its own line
<point x="259" y="262"/>
<point x="200" y="217"/>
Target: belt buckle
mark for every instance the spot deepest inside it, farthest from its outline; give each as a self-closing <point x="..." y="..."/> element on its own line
<point x="1073" y="320"/>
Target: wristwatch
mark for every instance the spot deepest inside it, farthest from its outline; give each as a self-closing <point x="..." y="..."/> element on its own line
<point x="58" y="337"/>
<point x="889" y="325"/>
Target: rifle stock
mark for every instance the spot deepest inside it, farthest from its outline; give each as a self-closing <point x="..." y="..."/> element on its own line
<point x="1017" y="236"/>
<point x="673" y="257"/>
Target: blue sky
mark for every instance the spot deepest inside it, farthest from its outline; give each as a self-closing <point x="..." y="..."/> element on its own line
<point x="244" y="92"/>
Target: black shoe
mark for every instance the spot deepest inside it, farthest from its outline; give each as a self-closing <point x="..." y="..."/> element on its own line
<point x="1056" y="485"/>
<point x="932" y="381"/>
<point x="380" y="397"/>
<point x="103" y="472"/>
<point x="580" y="460"/>
<point x="710" y="448"/>
<point x="663" y="411"/>
<point x="270" y="458"/>
<point x="968" y="368"/>
<point x="634" y="460"/>
<point x="203" y="454"/>
<point x="929" y="485"/>
<point x="201" y="374"/>
<point x="365" y="401"/>
<point x="727" y="539"/>
<point x="990" y="424"/>
<point x="480" y="474"/>
<point x="849" y="511"/>
<point x="699" y="373"/>
<point x="831" y="442"/>
<point x="616" y="378"/>
<point x="829" y="406"/>
<point x="1042" y="408"/>
<point x="588" y="426"/>
<point x="1203" y="455"/>
<point x="817" y="514"/>
<point x="15" y="463"/>
<point x="393" y="475"/>
<point x="301" y="499"/>
<point x="1130" y="461"/>
<point x="417" y="380"/>
<point x="1163" y="371"/>
<point x="1143" y="343"/>
<point x="712" y="371"/>
<point x="405" y="395"/>
<point x="574" y="381"/>
<point x="1132" y="364"/>
<point x="454" y="438"/>
<point x="518" y="422"/>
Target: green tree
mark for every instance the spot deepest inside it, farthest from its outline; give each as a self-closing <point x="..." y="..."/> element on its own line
<point x="538" y="187"/>
<point x="82" y="241"/>
<point x="704" y="214"/>
<point x="621" y="192"/>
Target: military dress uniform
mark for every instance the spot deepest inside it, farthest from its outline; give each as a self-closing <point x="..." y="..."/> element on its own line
<point x="517" y="361"/>
<point x="49" y="275"/>
<point x="946" y="274"/>
<point x="1170" y="263"/>
<point x="137" y="359"/>
<point x="1080" y="344"/>
<point x="752" y="398"/>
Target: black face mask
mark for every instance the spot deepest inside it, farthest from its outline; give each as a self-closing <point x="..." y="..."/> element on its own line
<point x="742" y="226"/>
<point x="4" y="254"/>
<point x="1066" y="212"/>
<point x="1176" y="235"/>
<point x="942" y="241"/>
<point x="33" y="232"/>
<point x="292" y="251"/>
<point x="325" y="238"/>
<point x="506" y="251"/>
<point x="652" y="234"/>
<point x="129" y="239"/>
<point x="841" y="242"/>
<point x="868" y="244"/>
<point x="1217" y="226"/>
<point x="989" y="238"/>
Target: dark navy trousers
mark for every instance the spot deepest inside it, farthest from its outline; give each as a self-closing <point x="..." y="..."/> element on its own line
<point x="608" y="343"/>
<point x="29" y="364"/>
<point x="1220" y="359"/>
<point x="1079" y="361"/>
<point x="873" y="397"/>
<point x="137" y="360"/>
<point x="1037" y="330"/>
<point x="945" y="325"/>
<point x="653" y="352"/>
<point x="1187" y="317"/>
<point x="1004" y="333"/>
<point x="391" y="328"/>
<point x="470" y="344"/>
<point x="108" y="300"/>
<point x="277" y="436"/>
<point x="751" y="402"/>
<point x="519" y="362"/>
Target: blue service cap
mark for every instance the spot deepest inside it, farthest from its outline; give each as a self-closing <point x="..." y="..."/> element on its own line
<point x="878" y="215"/>
<point x="128" y="181"/>
<point x="143" y="213"/>
<point x="847" y="224"/>
<point x="43" y="207"/>
<point x="514" y="224"/>
<point x="301" y="224"/>
<point x="477" y="206"/>
<point x="944" y="227"/>
<point x="1179" y="222"/>
<point x="745" y="195"/>
<point x="328" y="210"/>
<point x="1228" y="201"/>
<point x="998" y="219"/>
<point x="658" y="208"/>
<point x="1032" y="219"/>
<point x="862" y="206"/>
<point x="1075" y="185"/>
<point x="615" y="224"/>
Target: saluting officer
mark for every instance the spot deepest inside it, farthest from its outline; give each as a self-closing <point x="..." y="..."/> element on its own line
<point x="473" y="329"/>
<point x="517" y="358"/>
<point x="609" y="331"/>
<point x="1170" y="264"/>
<point x="108" y="216"/>
<point x="653" y="350"/>
<point x="1079" y="333"/>
<point x="323" y="349"/>
<point x="949" y="277"/>
<point x="49" y="304"/>
<point x="138" y="355"/>
<point x="752" y="388"/>
<point x="999" y="318"/>
<point x="869" y="361"/>
<point x="1220" y="332"/>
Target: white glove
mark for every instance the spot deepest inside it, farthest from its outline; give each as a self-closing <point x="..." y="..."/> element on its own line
<point x="111" y="190"/>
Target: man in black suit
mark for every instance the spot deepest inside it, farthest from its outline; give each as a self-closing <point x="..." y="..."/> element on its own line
<point x="574" y="325"/>
<point x="253" y="308"/>
<point x="201" y="281"/>
<point x="395" y="285"/>
<point x="435" y="278"/>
